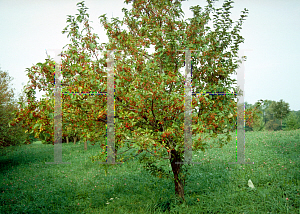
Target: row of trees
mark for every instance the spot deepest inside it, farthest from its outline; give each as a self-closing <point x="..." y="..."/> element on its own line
<point x="273" y="116"/>
<point x="9" y="135"/>
<point x="144" y="109"/>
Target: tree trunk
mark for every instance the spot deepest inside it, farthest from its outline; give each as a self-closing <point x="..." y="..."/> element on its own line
<point x="67" y="139"/>
<point x="75" y="138"/>
<point x="85" y="145"/>
<point x="176" y="168"/>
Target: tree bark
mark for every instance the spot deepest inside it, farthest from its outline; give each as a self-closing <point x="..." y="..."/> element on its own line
<point x="176" y="168"/>
<point x="67" y="139"/>
<point x="85" y="145"/>
<point x="75" y="138"/>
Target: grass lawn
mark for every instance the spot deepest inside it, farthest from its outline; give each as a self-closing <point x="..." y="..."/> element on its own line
<point x="28" y="185"/>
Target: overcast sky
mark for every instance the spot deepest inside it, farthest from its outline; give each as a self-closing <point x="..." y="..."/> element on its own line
<point x="271" y="31"/>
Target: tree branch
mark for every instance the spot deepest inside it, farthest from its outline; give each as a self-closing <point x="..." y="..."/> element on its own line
<point x="158" y="155"/>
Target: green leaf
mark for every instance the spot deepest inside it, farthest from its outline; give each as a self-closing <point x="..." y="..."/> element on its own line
<point x="92" y="46"/>
<point x="79" y="19"/>
<point x="51" y="115"/>
<point x="36" y="125"/>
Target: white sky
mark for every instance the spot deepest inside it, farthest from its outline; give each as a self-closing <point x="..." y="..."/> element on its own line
<point x="271" y="30"/>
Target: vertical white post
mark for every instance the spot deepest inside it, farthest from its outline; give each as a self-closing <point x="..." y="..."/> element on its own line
<point x="188" y="109"/>
<point x="188" y="152"/>
<point x="57" y="112"/>
<point x="111" y="153"/>
<point x="110" y="110"/>
<point x="241" y="117"/>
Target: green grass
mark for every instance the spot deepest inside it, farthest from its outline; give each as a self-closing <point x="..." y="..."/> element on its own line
<point x="28" y="185"/>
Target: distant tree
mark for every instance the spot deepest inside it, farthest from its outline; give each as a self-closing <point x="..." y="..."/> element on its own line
<point x="248" y="106"/>
<point x="254" y="121"/>
<point x="281" y="110"/>
<point x="272" y="123"/>
<point x="258" y="122"/>
<point x="298" y="115"/>
<point x="264" y="108"/>
<point x="13" y="134"/>
<point x="292" y="121"/>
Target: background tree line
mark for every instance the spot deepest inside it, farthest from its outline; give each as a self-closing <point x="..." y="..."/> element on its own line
<point x="273" y="116"/>
<point x="10" y="135"/>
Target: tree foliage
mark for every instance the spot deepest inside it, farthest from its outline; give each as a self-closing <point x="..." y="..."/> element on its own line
<point x="281" y="109"/>
<point x="10" y="135"/>
<point x="268" y="115"/>
<point x="266" y="118"/>
<point x="292" y="121"/>
<point x="253" y="116"/>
